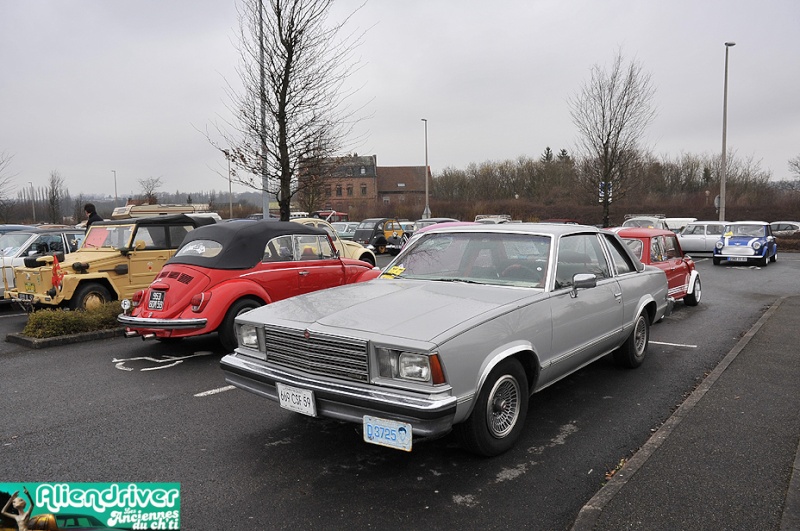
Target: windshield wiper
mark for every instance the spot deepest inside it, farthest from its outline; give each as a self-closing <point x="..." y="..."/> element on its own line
<point x="464" y="280"/>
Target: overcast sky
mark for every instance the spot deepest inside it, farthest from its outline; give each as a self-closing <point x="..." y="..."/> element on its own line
<point x="91" y="86"/>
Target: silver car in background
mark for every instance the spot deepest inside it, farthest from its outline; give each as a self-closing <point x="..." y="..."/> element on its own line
<point x="700" y="236"/>
<point x="461" y="328"/>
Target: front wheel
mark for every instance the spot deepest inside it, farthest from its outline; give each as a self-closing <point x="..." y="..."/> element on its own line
<point x="499" y="414"/>
<point x="368" y="259"/>
<point x="693" y="298"/>
<point x="715" y="260"/>
<point x="774" y="257"/>
<point x="764" y="262"/>
<point x="88" y="296"/>
<point x="631" y="353"/>
<point x="227" y="331"/>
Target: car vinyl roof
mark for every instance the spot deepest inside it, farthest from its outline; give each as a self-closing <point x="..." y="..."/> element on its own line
<point x="242" y="243"/>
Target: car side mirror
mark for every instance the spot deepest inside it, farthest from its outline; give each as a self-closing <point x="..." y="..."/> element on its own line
<point x="582" y="281"/>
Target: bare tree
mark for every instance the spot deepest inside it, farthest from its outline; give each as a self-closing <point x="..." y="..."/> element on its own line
<point x="149" y="188"/>
<point x="794" y="165"/>
<point x="6" y="186"/>
<point x="612" y="111"/>
<point x="292" y="107"/>
<point x="55" y="197"/>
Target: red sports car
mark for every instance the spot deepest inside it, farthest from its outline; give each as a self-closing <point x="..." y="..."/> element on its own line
<point x="226" y="269"/>
<point x="660" y="247"/>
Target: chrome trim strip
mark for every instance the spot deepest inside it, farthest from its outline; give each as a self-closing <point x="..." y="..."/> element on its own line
<point x="160" y="324"/>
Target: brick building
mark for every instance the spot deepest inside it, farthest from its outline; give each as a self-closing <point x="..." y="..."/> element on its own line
<point x="357" y="184"/>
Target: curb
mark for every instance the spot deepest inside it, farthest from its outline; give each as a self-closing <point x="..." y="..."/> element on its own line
<point x="590" y="513"/>
<point x="32" y="342"/>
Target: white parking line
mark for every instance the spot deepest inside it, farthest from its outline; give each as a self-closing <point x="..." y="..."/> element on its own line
<point x="215" y="391"/>
<point x="673" y="344"/>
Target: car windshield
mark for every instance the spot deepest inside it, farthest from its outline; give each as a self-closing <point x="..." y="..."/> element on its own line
<point x="108" y="237"/>
<point x="476" y="257"/>
<point x="752" y="230"/>
<point x="11" y="242"/>
<point x="368" y="224"/>
<point x="642" y="222"/>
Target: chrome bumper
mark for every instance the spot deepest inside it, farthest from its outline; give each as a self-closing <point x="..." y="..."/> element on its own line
<point x="429" y="415"/>
<point x="160" y="324"/>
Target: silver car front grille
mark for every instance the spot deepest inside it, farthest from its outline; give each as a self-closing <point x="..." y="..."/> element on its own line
<point x="338" y="357"/>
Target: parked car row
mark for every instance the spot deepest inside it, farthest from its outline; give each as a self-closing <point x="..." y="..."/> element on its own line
<point x="739" y="241"/>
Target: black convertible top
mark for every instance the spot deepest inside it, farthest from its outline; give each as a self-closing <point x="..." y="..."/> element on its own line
<point x="243" y="242"/>
<point x="169" y="219"/>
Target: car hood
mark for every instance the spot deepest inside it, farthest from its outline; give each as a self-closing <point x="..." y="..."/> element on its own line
<point x="409" y="309"/>
<point x="743" y="240"/>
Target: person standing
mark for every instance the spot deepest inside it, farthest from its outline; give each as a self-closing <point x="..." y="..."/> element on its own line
<point x="92" y="214"/>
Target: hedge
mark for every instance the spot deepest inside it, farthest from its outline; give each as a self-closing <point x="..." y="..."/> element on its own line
<point x="59" y="322"/>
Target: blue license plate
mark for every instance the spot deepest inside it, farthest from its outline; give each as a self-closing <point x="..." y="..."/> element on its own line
<point x="389" y="433"/>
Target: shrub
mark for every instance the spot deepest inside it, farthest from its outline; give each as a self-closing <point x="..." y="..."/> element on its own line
<point x="53" y="323"/>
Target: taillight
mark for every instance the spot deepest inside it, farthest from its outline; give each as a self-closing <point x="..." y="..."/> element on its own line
<point x="199" y="301"/>
<point x="137" y="298"/>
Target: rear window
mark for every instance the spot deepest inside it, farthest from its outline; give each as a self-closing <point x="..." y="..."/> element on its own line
<point x="204" y="248"/>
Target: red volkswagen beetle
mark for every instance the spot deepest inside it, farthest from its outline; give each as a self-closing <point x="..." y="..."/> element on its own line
<point x="226" y="269"/>
<point x="660" y="247"/>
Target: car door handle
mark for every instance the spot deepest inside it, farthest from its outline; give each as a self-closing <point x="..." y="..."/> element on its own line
<point x="618" y="296"/>
<point x="302" y="273"/>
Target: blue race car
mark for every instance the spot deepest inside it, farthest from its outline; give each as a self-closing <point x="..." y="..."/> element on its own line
<point x="745" y="241"/>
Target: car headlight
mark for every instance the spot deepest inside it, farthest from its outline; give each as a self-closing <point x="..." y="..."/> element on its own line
<point x="719" y="245"/>
<point x="248" y="336"/>
<point x="757" y="245"/>
<point x="411" y="366"/>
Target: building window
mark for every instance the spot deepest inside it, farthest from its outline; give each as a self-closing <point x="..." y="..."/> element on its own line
<point x="386" y="199"/>
<point x="327" y="191"/>
<point x="338" y="190"/>
<point x="363" y="189"/>
<point x="401" y="185"/>
<point x="363" y="170"/>
<point x="350" y="190"/>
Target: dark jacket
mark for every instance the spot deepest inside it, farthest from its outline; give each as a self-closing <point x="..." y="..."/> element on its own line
<point x="94" y="216"/>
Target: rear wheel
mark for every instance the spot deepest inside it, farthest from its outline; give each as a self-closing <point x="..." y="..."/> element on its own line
<point x="499" y="415"/>
<point x="631" y="353"/>
<point x="693" y="298"/>
<point x="227" y="332"/>
<point x="89" y="295"/>
<point x="368" y="259"/>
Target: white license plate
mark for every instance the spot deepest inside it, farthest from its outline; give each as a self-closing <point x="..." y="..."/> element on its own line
<point x="297" y="400"/>
<point x="737" y="259"/>
<point x="156" y="301"/>
<point x="389" y="433"/>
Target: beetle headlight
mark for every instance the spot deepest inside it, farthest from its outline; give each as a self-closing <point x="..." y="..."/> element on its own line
<point x="757" y="245"/>
<point x="719" y="245"/>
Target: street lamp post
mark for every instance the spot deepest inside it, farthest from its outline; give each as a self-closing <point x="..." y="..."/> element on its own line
<point x="230" y="186"/>
<point x="724" y="169"/>
<point x="115" y="187"/>
<point x="33" y="201"/>
<point x="427" y="212"/>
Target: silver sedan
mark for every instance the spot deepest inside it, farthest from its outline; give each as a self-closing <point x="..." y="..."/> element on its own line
<point x="461" y="328"/>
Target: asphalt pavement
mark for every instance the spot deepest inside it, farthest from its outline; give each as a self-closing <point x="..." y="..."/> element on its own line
<point x="728" y="458"/>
